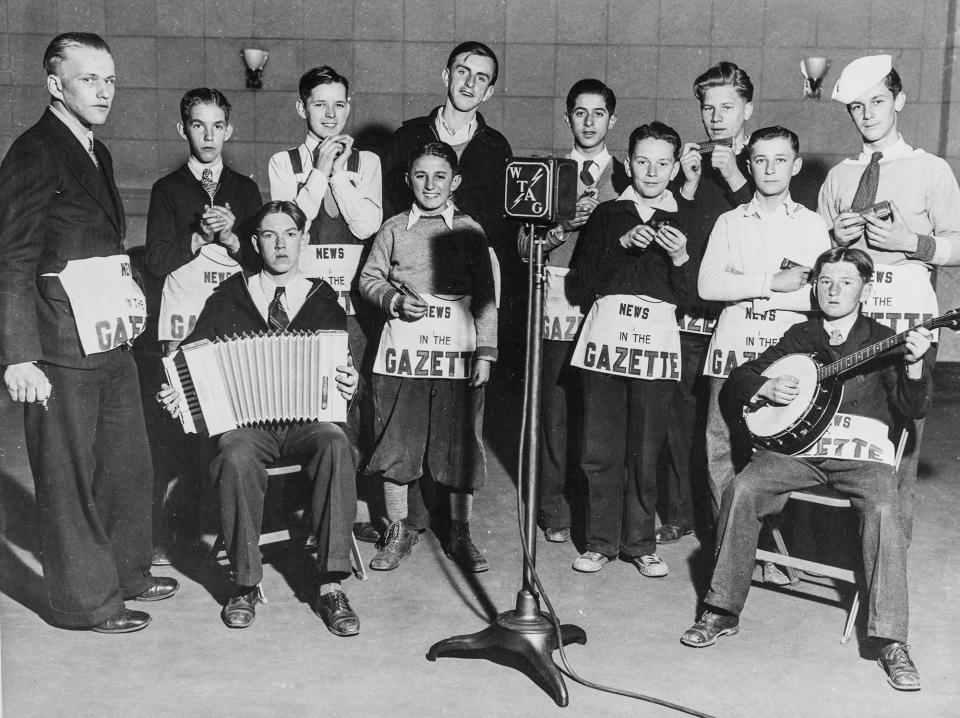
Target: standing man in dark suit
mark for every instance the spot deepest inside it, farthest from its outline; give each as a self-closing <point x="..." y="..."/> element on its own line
<point x="68" y="310"/>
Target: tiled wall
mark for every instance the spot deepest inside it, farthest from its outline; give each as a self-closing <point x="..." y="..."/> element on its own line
<point x="393" y="51"/>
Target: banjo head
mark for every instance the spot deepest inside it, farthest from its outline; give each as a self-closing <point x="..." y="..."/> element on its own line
<point x="770" y="419"/>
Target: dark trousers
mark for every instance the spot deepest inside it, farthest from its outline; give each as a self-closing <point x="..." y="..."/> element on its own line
<point x="762" y="490"/>
<point x="239" y="471"/>
<point x="561" y="411"/>
<point x="623" y="432"/>
<point x="686" y="422"/>
<point x="93" y="477"/>
<point x="428" y="431"/>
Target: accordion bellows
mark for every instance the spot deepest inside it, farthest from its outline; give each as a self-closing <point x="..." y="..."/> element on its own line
<point x="258" y="380"/>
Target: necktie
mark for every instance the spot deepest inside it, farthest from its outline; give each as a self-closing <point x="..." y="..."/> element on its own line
<point x="585" y="175"/>
<point x="209" y="186"/>
<point x="93" y="155"/>
<point x="276" y="314"/>
<point x="867" y="189"/>
<point x="836" y="338"/>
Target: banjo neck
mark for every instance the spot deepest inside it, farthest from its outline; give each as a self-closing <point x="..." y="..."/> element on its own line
<point x="852" y="361"/>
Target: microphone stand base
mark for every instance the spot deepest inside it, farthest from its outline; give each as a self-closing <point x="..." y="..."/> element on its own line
<point x="524" y="633"/>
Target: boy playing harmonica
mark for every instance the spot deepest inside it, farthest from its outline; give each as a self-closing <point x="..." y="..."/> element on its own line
<point x="632" y="258"/>
<point x="590" y="115"/>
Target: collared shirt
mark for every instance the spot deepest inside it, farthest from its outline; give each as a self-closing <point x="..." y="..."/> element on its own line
<point x="263" y="288"/>
<point x="754" y="209"/>
<point x="461" y="136"/>
<point x="357" y="194"/>
<point x="447" y="214"/>
<point x="83" y="134"/>
<point x="600" y="162"/>
<point x="747" y="248"/>
<point x="197" y="167"/>
<point x="665" y="201"/>
<point x="842" y="325"/>
<point x="895" y="151"/>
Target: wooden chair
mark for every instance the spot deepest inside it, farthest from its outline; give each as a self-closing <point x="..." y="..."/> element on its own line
<point x="832" y="498"/>
<point x="280" y="470"/>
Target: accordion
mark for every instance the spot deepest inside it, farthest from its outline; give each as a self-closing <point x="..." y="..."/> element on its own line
<point x="258" y="380"/>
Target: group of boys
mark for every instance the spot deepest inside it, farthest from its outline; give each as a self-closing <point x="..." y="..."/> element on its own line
<point x="740" y="275"/>
<point x="682" y="261"/>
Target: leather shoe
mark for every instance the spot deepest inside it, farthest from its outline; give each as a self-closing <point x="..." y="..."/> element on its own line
<point x="334" y="609"/>
<point x="461" y="549"/>
<point x="709" y="628"/>
<point x="557" y="535"/>
<point x="241" y="609"/>
<point x="366" y="532"/>
<point x="124" y="621"/>
<point x="397" y="544"/>
<point x="163" y="587"/>
<point x="773" y="576"/>
<point x="669" y="533"/>
<point x="902" y="674"/>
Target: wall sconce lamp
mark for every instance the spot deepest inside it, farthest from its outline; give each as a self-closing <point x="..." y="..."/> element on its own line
<point x="814" y="69"/>
<point x="255" y="60"/>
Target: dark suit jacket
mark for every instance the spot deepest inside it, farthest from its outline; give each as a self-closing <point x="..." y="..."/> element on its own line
<point x="55" y="206"/>
<point x="878" y="389"/>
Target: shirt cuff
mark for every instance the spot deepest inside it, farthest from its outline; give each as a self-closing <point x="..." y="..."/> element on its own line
<point x="390" y="301"/>
<point x="942" y="251"/>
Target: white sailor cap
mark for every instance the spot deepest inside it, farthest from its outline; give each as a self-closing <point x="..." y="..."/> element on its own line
<point x="860" y="75"/>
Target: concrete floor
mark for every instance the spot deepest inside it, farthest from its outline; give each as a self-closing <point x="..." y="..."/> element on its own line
<point x="786" y="661"/>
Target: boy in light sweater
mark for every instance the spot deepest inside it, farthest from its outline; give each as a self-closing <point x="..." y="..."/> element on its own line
<point x="429" y="271"/>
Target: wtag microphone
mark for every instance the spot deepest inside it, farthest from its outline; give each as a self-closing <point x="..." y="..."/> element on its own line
<point x="540" y="190"/>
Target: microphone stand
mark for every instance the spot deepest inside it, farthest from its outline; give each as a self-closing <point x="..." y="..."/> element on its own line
<point x="526" y="632"/>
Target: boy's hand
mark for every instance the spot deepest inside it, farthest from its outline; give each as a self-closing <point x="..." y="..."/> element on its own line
<point x="780" y="390"/>
<point x="411" y="308"/>
<point x="847" y="228"/>
<point x="725" y="162"/>
<point x="691" y="163"/>
<point x="327" y="152"/>
<point x="918" y="343"/>
<point x="340" y="163"/>
<point x="790" y="280"/>
<point x="348" y="379"/>
<point x="585" y="206"/>
<point x="27" y="383"/>
<point x="890" y="234"/>
<point x="675" y="242"/>
<point x="217" y="220"/>
<point x="480" y="374"/>
<point x="169" y="399"/>
<point x="639" y="237"/>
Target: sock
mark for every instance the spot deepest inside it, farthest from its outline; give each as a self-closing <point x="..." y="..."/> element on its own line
<point x="326" y="588"/>
<point x="461" y="506"/>
<point x="395" y="501"/>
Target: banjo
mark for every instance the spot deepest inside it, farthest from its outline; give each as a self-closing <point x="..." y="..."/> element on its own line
<point x="794" y="427"/>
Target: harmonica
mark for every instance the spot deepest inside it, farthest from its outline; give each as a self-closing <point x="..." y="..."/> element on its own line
<point x="706" y="147"/>
<point x="880" y="210"/>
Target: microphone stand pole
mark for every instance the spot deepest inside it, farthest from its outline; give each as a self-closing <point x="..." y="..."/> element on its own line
<point x="525" y="631"/>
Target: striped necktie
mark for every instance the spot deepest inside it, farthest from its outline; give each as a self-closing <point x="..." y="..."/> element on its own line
<point x="276" y="314"/>
<point x="93" y="155"/>
<point x="869" y="181"/>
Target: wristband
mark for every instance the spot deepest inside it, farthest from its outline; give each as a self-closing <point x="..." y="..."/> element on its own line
<point x="926" y="248"/>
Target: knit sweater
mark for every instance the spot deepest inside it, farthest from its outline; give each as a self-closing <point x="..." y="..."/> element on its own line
<point x="606" y="267"/>
<point x="430" y="258"/>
